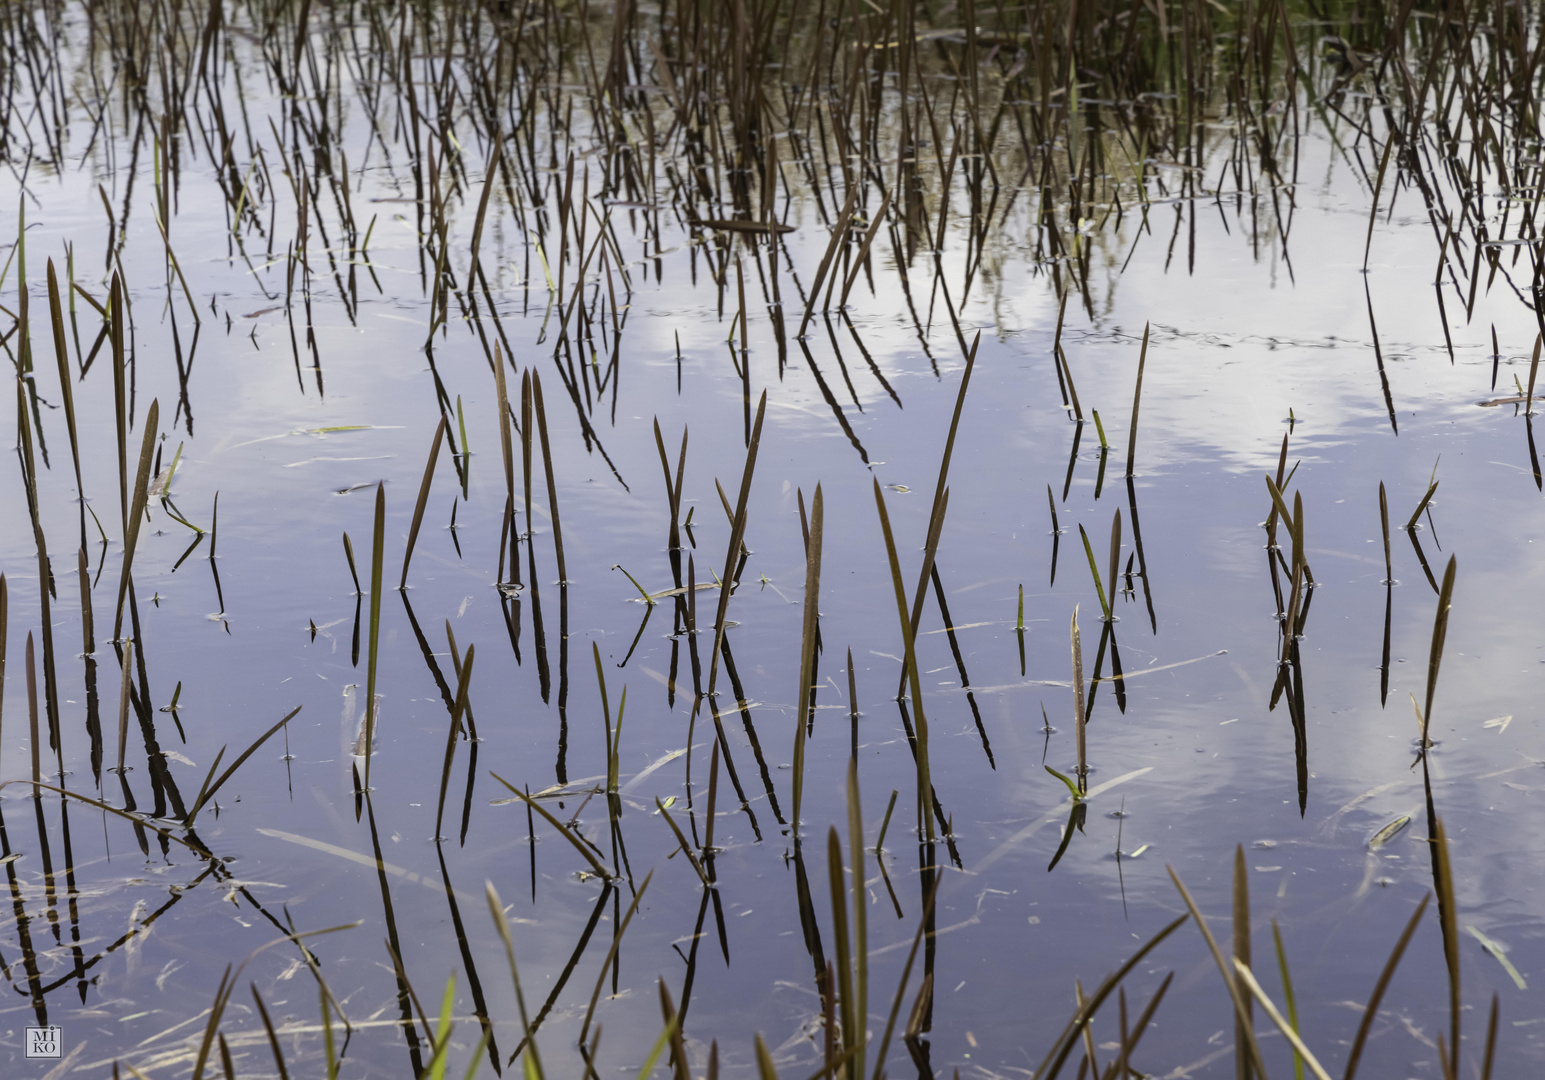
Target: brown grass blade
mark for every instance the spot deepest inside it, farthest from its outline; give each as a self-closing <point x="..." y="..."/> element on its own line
<point x="1372" y="1011"/>
<point x="423" y="500"/>
<point x="807" y="649"/>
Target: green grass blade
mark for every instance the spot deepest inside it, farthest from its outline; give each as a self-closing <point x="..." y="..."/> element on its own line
<point x="1094" y="572"/>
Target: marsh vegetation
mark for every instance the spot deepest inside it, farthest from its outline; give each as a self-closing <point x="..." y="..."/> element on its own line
<point x="527" y="523"/>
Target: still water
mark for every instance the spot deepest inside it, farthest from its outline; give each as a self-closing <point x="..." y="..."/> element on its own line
<point x="300" y="367"/>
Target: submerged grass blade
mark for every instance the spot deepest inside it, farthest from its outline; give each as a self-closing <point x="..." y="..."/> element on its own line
<point x="563" y="830"/>
<point x="209" y="793"/>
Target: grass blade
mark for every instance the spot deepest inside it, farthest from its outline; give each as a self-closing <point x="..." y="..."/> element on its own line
<point x="423" y="499"/>
<point x="611" y="956"/>
<point x="1051" y="1065"/>
<point x="737" y="538"/>
<point x="563" y="830"/>
<point x="208" y="794"/>
<point x="1137" y="398"/>
<point x="924" y="780"/>
<point x="376" y="559"/>
<point x="1439" y="634"/>
<point x="1242" y="956"/>
<point x="458" y="710"/>
<point x="807" y="648"/>
<point x="547" y="466"/>
<point x="1240" y="1011"/>
<point x="1247" y="978"/>
<point x="136" y="511"/>
<point x="1372" y="1010"/>
<point x="1287" y="995"/>
<point x="1079" y="717"/>
<point x="1094" y="572"/>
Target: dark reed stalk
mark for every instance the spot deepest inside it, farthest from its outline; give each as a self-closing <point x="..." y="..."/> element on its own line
<point x="1241" y="928"/>
<point x="1448" y="916"/>
<point x="807" y="650"/>
<point x="1067" y="373"/>
<point x="924" y="780"/>
<point x="613" y="734"/>
<point x="32" y="716"/>
<point x="552" y="487"/>
<point x="940" y="502"/>
<point x="853" y="703"/>
<point x="458" y="710"/>
<point x="1372" y="1010"/>
<point x="1094" y="572"/>
<point x="5" y="612"/>
<point x="1489" y="1055"/>
<point x="906" y="973"/>
<point x="1534" y="368"/>
<point x="508" y="452"/>
<point x="611" y="956"/>
<point x="681" y="840"/>
<point x="563" y="830"/>
<point x="1072" y="1032"/>
<point x="124" y="688"/>
<point x="423" y="500"/>
<point x="1080" y="719"/>
<point x="1389" y="573"/>
<point x="1137" y="398"/>
<point x="861" y="258"/>
<point x="66" y="391"/>
<point x="737" y="539"/>
<point x="839" y="234"/>
<point x="377" y="559"/>
<point x="209" y="790"/>
<point x="136" y="512"/>
<point x="1432" y="487"/>
<point x="1056" y="533"/>
<point x="348" y="553"/>
<point x="1378" y="187"/>
<point x="119" y="311"/>
<point x="1115" y="554"/>
<point x="711" y="814"/>
<point x="856" y="1036"/>
<point x="1435" y="653"/>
